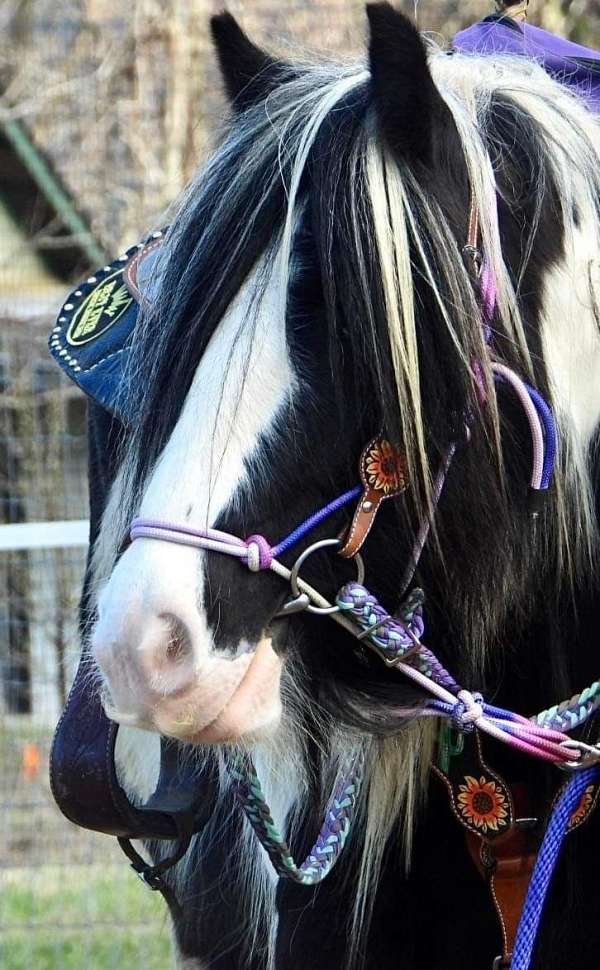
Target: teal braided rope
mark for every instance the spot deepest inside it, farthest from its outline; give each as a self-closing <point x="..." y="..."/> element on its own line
<point x="399" y="638"/>
<point x="393" y="637"/>
<point x="339" y="817"/>
<point x="572" y="713"/>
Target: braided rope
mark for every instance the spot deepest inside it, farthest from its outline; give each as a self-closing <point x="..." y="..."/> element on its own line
<point x="394" y="637"/>
<point x="339" y="817"/>
<point x="572" y="713"/>
<point x="397" y="641"/>
<point x="428" y="664"/>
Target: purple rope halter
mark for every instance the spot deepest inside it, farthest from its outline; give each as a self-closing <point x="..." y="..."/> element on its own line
<point x="397" y="641"/>
<point x="255" y="551"/>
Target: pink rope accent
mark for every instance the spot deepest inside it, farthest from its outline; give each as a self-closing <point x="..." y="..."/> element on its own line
<point x="488" y="290"/>
<point x="211" y="539"/>
<point x="264" y="553"/>
<point x="140" y="525"/>
<point x="545" y="745"/>
<point x="537" y="435"/>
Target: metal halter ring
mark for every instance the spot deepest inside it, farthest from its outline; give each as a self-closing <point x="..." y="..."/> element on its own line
<point x="323" y="544"/>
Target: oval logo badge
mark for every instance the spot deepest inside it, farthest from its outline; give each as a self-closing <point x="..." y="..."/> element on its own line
<point x="100" y="310"/>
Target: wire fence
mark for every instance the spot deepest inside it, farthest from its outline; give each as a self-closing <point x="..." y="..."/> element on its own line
<point x="105" y="110"/>
<point x="66" y="899"/>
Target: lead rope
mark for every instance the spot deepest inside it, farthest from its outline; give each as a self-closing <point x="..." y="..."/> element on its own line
<point x="545" y="865"/>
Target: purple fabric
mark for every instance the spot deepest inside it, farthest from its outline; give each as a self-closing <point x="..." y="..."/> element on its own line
<point x="576" y="66"/>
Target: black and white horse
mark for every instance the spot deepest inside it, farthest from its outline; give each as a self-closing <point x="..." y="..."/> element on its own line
<point x="314" y="290"/>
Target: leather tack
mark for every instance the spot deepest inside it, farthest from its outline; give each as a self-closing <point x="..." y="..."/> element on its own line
<point x="383" y="474"/>
<point x="507" y="867"/>
<point x="502" y="834"/>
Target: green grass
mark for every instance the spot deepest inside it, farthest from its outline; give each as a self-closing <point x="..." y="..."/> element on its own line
<point x="83" y="908"/>
<point x="78" y="952"/>
<point x="80" y="918"/>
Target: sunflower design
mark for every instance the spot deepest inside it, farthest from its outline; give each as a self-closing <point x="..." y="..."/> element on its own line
<point x="385" y="468"/>
<point x="483" y="803"/>
<point x="586" y="803"/>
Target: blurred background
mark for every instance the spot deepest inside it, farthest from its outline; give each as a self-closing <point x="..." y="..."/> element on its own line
<point x="106" y="109"/>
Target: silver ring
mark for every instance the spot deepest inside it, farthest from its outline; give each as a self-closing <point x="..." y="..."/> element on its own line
<point x="323" y="544"/>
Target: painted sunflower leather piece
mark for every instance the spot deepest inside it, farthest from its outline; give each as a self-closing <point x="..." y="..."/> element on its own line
<point x="93" y="335"/>
<point x="479" y="797"/>
<point x="383" y="473"/>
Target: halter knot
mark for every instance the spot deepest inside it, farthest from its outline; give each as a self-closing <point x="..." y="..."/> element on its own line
<point x="467" y="710"/>
<point x="260" y="554"/>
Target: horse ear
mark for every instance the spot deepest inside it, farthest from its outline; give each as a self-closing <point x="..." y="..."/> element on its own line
<point x="407" y="100"/>
<point x="248" y="72"/>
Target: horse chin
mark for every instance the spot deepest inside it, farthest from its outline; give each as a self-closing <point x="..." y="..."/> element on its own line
<point x="251" y="711"/>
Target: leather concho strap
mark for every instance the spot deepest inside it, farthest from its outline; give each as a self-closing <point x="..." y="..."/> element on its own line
<point x="501" y="841"/>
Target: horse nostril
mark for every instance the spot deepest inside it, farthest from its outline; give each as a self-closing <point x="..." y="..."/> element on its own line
<point x="179" y="646"/>
<point x="166" y="654"/>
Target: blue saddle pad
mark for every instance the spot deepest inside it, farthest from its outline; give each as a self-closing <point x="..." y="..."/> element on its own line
<point x="95" y="328"/>
<point x="573" y="65"/>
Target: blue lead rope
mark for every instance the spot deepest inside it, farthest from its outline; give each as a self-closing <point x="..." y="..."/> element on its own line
<point x="545" y="864"/>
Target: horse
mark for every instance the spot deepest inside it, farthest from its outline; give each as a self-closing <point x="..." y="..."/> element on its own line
<point x="320" y="295"/>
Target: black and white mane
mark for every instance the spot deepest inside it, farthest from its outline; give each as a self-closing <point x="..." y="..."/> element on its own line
<point x="314" y="291"/>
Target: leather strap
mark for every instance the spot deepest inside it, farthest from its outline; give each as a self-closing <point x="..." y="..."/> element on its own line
<point x="86" y="789"/>
<point x="130" y="273"/>
<point x="502" y="835"/>
<point x="506" y="866"/>
<point x="85" y="785"/>
<point x="383" y="474"/>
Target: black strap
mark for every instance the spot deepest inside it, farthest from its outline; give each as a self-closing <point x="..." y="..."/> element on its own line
<point x="85" y="786"/>
<point x="152" y="875"/>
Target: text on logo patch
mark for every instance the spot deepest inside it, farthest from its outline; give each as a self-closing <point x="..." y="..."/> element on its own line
<point x="100" y="310"/>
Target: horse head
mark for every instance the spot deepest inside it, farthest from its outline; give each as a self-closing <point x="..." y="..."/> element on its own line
<point x="315" y="291"/>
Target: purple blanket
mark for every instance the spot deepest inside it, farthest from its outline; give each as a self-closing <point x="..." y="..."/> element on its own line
<point x="571" y="64"/>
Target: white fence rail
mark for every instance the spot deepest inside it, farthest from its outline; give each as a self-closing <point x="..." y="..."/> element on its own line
<point x="44" y="535"/>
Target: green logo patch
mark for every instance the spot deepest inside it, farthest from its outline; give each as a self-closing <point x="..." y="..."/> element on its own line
<point x="100" y="310"/>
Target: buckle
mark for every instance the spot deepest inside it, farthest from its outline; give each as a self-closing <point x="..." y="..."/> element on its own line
<point x="589" y="755"/>
<point x="150" y="877"/>
<point x="475" y="256"/>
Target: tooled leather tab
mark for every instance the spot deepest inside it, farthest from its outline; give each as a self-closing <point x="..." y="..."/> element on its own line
<point x="507" y="867"/>
<point x="383" y="474"/>
<point x="479" y="797"/>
